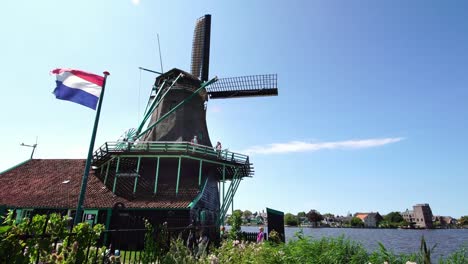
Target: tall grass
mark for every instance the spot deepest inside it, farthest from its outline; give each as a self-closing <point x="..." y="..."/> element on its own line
<point x="326" y="250"/>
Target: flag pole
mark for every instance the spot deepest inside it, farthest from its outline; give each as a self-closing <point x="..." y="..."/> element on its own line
<point x="84" y="181"/>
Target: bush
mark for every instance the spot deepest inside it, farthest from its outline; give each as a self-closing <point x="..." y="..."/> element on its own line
<point x="33" y="239"/>
<point x="235" y="221"/>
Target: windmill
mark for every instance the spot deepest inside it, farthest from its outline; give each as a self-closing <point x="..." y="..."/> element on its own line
<point x="185" y="86"/>
<point x="157" y="164"/>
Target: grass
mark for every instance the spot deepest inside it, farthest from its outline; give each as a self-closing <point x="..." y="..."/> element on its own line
<point x="326" y="250"/>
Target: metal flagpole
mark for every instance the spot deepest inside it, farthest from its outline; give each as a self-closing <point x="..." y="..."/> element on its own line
<point x="84" y="182"/>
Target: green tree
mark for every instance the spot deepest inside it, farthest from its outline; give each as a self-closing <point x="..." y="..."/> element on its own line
<point x="357" y="222"/>
<point x="314" y="216"/>
<point x="235" y="221"/>
<point x="463" y="221"/>
<point x="247" y="214"/>
<point x="290" y="220"/>
<point x="236" y="212"/>
<point x="301" y="214"/>
<point x="393" y="217"/>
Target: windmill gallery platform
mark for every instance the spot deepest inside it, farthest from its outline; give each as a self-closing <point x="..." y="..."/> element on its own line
<point x="155" y="171"/>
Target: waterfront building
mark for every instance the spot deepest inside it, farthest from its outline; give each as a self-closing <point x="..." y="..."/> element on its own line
<point x="420" y="216"/>
<point x="370" y="220"/>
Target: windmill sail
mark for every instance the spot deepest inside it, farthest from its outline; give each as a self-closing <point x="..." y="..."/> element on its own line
<point x="201" y="48"/>
<point x="244" y="86"/>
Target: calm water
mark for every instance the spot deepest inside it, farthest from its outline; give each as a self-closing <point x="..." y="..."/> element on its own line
<point x="396" y="240"/>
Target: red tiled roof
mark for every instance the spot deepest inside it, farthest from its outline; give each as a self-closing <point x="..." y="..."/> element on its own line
<point x="56" y="183"/>
<point x="361" y="216"/>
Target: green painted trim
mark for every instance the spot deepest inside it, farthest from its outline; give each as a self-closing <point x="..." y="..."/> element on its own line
<point x="136" y="178"/>
<point x="115" y="176"/>
<point x="177" y="106"/>
<point x="156" y="178"/>
<point x="199" y="173"/>
<point x="178" y="176"/>
<point x="149" y="111"/>
<point x="107" y="173"/>
<point x="269" y="210"/>
<point x="208" y="161"/>
<point x="109" y="161"/>
<point x="91" y="211"/>
<point x="107" y="225"/>
<point x="230" y="195"/>
<point x="224" y="180"/>
<point x="230" y="199"/>
<point x="108" y="218"/>
<point x="149" y="156"/>
<point x="233" y="184"/>
<point x="159" y="100"/>
<point x="176" y="156"/>
<point x="199" y="196"/>
<point x="224" y="207"/>
<point x="16" y="166"/>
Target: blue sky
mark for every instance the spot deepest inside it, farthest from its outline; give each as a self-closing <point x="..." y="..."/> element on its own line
<point x="371" y="113"/>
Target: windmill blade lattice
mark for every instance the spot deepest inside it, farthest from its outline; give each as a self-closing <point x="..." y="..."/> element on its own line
<point x="244" y="86"/>
<point x="201" y="48"/>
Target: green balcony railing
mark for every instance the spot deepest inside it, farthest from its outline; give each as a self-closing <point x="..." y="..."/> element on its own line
<point x="161" y="147"/>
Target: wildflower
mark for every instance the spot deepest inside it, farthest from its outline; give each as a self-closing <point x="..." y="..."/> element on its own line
<point x="411" y="262"/>
<point x="235" y="242"/>
<point x="242" y="246"/>
<point x="213" y="259"/>
<point x="59" y="258"/>
<point x="54" y="257"/>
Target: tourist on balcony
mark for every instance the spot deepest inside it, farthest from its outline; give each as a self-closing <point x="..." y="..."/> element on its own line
<point x="218" y="149"/>
<point x="194" y="142"/>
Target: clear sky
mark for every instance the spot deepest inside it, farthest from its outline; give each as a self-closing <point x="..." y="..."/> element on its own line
<point x="372" y="112"/>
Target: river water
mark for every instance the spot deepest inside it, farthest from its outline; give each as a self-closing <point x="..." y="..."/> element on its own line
<point x="396" y="240"/>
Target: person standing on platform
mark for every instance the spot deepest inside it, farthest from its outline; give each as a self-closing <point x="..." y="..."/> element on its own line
<point x="218" y="149"/>
<point x="194" y="142"/>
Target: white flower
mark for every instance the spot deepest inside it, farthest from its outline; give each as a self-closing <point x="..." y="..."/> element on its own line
<point x="411" y="262"/>
<point x="213" y="259"/>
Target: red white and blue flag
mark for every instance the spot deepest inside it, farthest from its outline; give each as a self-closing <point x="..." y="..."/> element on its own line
<point x="78" y="86"/>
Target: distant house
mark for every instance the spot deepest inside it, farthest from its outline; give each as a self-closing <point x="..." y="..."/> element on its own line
<point x="370" y="220"/>
<point x="444" y="221"/>
<point x="343" y="220"/>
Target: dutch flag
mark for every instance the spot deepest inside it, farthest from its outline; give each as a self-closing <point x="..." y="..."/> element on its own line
<point x="78" y="86"/>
